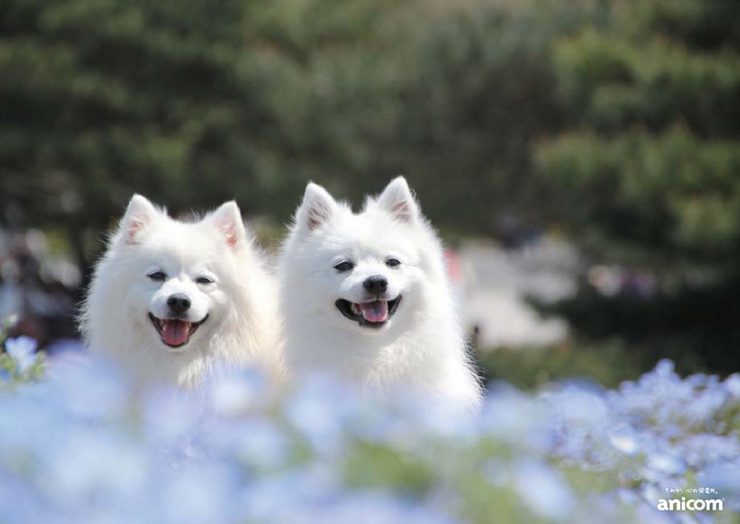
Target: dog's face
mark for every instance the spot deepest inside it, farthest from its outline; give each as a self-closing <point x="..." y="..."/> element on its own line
<point x="364" y="269"/>
<point x="370" y="271"/>
<point x="177" y="273"/>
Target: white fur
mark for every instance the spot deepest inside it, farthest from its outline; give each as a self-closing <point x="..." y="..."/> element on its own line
<point x="421" y="349"/>
<point x="241" y="328"/>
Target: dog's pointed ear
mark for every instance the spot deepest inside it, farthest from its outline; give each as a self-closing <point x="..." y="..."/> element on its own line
<point x="317" y="208"/>
<point x="398" y="200"/>
<point x="228" y="220"/>
<point x="140" y="213"/>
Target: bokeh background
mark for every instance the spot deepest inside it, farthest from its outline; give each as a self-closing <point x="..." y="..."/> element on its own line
<point x="581" y="159"/>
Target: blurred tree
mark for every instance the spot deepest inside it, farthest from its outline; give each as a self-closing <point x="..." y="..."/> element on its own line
<point x="476" y="90"/>
<point x="628" y="111"/>
<point x="452" y="97"/>
<point x="100" y="96"/>
<point x="648" y="172"/>
<point x="189" y="103"/>
<point x="193" y="104"/>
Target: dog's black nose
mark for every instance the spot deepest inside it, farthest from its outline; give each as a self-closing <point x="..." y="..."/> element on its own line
<point x="178" y="303"/>
<point x="376" y="284"/>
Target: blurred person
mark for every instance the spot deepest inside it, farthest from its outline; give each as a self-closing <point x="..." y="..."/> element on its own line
<point x="42" y="305"/>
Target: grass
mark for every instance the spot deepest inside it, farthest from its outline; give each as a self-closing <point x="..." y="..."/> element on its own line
<point x="607" y="363"/>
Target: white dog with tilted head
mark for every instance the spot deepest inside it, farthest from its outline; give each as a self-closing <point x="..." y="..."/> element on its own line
<point x="366" y="298"/>
<point x="172" y="301"/>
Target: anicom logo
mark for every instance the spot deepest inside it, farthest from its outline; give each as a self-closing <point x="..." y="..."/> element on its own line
<point x="691" y="505"/>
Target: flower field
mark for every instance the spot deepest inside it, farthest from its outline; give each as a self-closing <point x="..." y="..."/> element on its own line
<point x="78" y="445"/>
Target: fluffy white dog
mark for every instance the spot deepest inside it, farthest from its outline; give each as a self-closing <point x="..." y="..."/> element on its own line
<point x="366" y="298"/>
<point x="172" y="301"/>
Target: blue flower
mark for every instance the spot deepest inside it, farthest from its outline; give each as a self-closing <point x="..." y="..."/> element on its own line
<point x="80" y="446"/>
<point x="234" y="391"/>
<point x="23" y="351"/>
<point x="88" y="387"/>
<point x="543" y="489"/>
<point x="732" y="385"/>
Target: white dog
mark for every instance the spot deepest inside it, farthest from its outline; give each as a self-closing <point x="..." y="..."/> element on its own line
<point x="173" y="300"/>
<point x="366" y="298"/>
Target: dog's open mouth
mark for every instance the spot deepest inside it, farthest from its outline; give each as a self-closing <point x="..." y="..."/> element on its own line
<point x="370" y="314"/>
<point x="175" y="332"/>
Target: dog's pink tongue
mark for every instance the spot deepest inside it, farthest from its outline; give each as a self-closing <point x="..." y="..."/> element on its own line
<point x="375" y="311"/>
<point x="175" y="332"/>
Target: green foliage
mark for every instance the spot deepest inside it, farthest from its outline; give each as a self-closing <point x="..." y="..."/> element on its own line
<point x="196" y="104"/>
<point x="19" y="368"/>
<point x="693" y="324"/>
<point x="18" y="376"/>
<point x="374" y="465"/>
<point x="654" y="146"/>
<point x="100" y="98"/>
<point x="671" y="192"/>
<point x="476" y="91"/>
<point x="614" y="82"/>
<point x="617" y="119"/>
<point x="646" y="174"/>
<point x="608" y="363"/>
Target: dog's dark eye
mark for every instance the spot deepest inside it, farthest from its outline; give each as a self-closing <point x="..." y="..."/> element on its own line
<point x="344" y="266"/>
<point x="392" y="262"/>
<point x="158" y="276"/>
<point x="204" y="280"/>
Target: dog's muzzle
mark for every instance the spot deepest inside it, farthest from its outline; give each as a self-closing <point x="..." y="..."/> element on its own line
<point x="373" y="314"/>
<point x="175" y="332"/>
